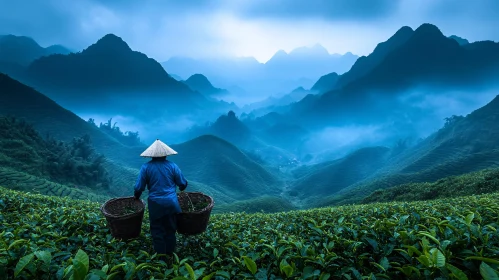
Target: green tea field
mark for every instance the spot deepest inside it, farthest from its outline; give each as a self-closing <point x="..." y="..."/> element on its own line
<point x="25" y="182"/>
<point x="44" y="237"/>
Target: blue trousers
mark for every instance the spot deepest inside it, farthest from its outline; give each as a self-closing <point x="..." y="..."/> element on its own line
<point x="163" y="233"/>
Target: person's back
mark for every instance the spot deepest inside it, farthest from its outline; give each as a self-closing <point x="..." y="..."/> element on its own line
<point x="161" y="177"/>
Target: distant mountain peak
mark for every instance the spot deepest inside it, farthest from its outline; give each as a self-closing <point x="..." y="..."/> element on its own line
<point x="201" y="84"/>
<point x="459" y="40"/>
<point x="109" y="43"/>
<point x="316" y="49"/>
<point x="199" y="79"/>
<point x="298" y="89"/>
<point x="401" y="35"/>
<point x="20" y="39"/>
<point x="318" y="46"/>
<point x="279" y="54"/>
<point x="404" y="29"/>
<point x="111" y="38"/>
<point x="428" y="29"/>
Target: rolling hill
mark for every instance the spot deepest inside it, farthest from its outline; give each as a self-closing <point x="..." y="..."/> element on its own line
<point x="217" y="163"/>
<point x="474" y="183"/>
<point x="331" y="177"/>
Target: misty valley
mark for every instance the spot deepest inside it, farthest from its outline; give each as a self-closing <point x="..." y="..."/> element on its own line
<point x="321" y="166"/>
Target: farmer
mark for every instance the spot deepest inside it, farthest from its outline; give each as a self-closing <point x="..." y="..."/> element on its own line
<point x="161" y="177"/>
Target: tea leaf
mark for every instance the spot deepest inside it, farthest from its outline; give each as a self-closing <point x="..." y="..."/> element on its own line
<point x="23" y="262"/>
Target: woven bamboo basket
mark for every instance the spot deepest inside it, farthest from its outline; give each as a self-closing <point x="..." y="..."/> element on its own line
<point x="124" y="226"/>
<point x="194" y="222"/>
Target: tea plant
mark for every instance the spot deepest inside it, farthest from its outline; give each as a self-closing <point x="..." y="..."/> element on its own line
<point x="58" y="238"/>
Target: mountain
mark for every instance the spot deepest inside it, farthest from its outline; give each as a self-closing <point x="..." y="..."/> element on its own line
<point x="423" y="59"/>
<point x="23" y="50"/>
<point x="211" y="165"/>
<point x="109" y="78"/>
<point x="325" y="83"/>
<point x="227" y="127"/>
<point x="459" y="40"/>
<point x="365" y="64"/>
<point x="307" y="62"/>
<point x="265" y="142"/>
<point x="125" y="70"/>
<point x="430" y="57"/>
<point x="464" y="144"/>
<point x="281" y="74"/>
<point x="200" y="83"/>
<point x="269" y="104"/>
<point x="215" y="68"/>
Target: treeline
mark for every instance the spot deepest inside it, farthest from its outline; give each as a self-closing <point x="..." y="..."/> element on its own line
<point x="128" y="138"/>
<point x="72" y="163"/>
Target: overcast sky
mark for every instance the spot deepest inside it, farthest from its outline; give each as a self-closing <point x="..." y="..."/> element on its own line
<point x="202" y="28"/>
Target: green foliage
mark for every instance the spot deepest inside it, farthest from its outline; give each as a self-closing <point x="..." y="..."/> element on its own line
<point x="481" y="182"/>
<point x="48" y="118"/>
<point x="57" y="238"/>
<point x="22" y="148"/>
<point x="266" y="204"/>
<point x="17" y="180"/>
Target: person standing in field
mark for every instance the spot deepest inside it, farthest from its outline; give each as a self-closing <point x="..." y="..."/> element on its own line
<point x="161" y="177"/>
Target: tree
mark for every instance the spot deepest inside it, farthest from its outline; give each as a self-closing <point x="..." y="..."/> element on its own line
<point x="452" y="120"/>
<point x="91" y="121"/>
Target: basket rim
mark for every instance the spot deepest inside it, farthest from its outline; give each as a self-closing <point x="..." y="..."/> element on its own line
<point x="210" y="204"/>
<point x="107" y="214"/>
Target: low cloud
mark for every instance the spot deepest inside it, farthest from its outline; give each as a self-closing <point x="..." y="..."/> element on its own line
<point x="340" y="140"/>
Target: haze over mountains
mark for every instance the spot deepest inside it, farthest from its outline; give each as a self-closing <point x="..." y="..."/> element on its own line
<point x="400" y="93"/>
<point x="108" y="79"/>
<point x="281" y="74"/>
<point x="379" y="124"/>
<point x="200" y="158"/>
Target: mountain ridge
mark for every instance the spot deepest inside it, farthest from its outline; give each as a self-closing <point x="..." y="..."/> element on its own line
<point x="23" y="50"/>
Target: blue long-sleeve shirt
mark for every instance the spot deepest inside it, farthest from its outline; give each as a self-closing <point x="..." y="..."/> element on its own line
<point x="161" y="178"/>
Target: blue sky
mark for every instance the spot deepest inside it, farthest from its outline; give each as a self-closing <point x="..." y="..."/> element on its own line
<point x="202" y="28"/>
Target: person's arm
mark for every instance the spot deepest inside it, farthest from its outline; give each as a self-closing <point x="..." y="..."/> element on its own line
<point x="180" y="180"/>
<point x="141" y="183"/>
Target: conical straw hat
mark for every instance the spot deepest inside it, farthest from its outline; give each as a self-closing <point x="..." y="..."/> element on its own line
<point x="158" y="149"/>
